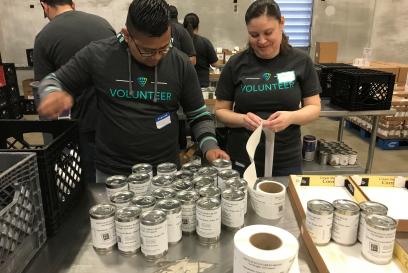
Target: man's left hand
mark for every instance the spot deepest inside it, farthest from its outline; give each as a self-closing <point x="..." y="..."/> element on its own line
<point x="214" y="154"/>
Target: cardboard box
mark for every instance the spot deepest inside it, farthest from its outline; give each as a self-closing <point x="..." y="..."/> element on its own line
<point x="326" y="52"/>
<point x="27" y="89"/>
<point x="402" y="77"/>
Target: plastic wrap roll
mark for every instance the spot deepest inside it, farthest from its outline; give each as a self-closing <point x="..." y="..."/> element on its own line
<point x="264" y="249"/>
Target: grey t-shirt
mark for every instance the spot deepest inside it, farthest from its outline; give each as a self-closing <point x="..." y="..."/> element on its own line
<point x="263" y="87"/>
<point x="181" y="39"/>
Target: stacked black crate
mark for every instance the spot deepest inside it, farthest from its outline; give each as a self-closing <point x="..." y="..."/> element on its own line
<point x="10" y="107"/>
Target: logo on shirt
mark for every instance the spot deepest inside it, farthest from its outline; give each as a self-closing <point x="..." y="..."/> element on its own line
<point x="142" y="81"/>
<point x="266" y="76"/>
<point x="267" y="82"/>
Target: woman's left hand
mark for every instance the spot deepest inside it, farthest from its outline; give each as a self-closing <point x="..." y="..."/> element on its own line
<point x="279" y="121"/>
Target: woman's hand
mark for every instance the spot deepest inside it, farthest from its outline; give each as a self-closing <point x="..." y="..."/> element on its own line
<point x="279" y="121"/>
<point x="251" y="121"/>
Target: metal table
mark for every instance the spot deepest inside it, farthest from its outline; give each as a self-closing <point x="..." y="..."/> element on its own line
<point x="70" y="250"/>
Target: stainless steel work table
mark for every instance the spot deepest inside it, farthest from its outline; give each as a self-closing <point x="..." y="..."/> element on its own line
<point x="70" y="250"/>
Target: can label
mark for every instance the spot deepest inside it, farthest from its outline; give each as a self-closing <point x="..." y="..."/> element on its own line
<point x="174" y="227"/>
<point x="319" y="227"/>
<point x="128" y="235"/>
<point x="231" y="213"/>
<point x="110" y="192"/>
<point x="188" y="218"/>
<point x="208" y="222"/>
<point x="309" y="148"/>
<point x="103" y="232"/>
<point x="378" y="245"/>
<point x="361" y="228"/>
<point x="139" y="189"/>
<point x="345" y="228"/>
<point x="154" y="239"/>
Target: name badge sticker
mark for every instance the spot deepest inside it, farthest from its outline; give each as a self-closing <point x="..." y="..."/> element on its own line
<point x="288" y="76"/>
<point x="163" y="120"/>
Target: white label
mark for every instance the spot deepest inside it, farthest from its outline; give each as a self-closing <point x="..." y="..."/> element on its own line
<point x="128" y="235"/>
<point x="154" y="239"/>
<point x="188" y="218"/>
<point x="163" y="120"/>
<point x="110" y="192"/>
<point x="345" y="228"/>
<point x="208" y="222"/>
<point x="103" y="232"/>
<point x="268" y="206"/>
<point x="231" y="213"/>
<point x="378" y="245"/>
<point x="319" y="227"/>
<point x="139" y="189"/>
<point x="361" y="228"/>
<point x="174" y="227"/>
<point x="288" y="76"/>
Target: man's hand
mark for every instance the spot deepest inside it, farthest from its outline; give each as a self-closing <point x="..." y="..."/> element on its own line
<point x="54" y="104"/>
<point x="214" y="154"/>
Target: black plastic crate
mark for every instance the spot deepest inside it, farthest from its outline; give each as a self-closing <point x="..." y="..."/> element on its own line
<point x="21" y="211"/>
<point x="58" y="162"/>
<point x="325" y="72"/>
<point x="363" y="89"/>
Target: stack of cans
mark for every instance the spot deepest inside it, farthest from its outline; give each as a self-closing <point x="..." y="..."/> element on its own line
<point x="335" y="153"/>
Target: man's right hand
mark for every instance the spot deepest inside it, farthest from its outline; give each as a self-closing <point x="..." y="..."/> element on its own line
<point x="54" y="104"/>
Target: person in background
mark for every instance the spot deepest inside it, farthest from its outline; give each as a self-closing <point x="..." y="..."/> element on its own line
<point x="180" y="37"/>
<point x="140" y="80"/>
<point x="265" y="84"/>
<point x="205" y="51"/>
<point x="67" y="32"/>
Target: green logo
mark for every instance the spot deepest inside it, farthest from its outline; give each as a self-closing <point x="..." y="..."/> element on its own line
<point x="266" y="76"/>
<point x="142" y="81"/>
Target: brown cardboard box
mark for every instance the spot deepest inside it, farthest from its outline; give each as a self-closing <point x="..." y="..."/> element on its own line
<point x="402" y="77"/>
<point x="27" y="89"/>
<point x="326" y="52"/>
<point x="386" y="67"/>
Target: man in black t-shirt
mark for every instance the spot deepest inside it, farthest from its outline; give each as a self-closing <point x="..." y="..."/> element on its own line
<point x="140" y="82"/>
<point x="67" y="32"/>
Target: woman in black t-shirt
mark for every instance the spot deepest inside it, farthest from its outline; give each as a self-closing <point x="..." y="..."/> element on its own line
<point x="205" y="51"/>
<point x="270" y="83"/>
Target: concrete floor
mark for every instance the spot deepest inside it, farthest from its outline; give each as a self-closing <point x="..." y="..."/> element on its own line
<point x="385" y="161"/>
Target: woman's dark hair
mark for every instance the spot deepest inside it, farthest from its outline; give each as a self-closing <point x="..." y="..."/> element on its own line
<point x="150" y="17"/>
<point x="191" y="22"/>
<point x="54" y="3"/>
<point x="268" y="8"/>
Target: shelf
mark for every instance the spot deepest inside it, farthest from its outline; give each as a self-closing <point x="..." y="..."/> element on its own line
<point x="312" y="167"/>
<point x="330" y="110"/>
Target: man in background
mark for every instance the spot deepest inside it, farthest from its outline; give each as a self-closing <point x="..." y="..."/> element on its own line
<point x="67" y="32"/>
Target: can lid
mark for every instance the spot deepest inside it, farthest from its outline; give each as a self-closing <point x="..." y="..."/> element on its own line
<point x="138" y="178"/>
<point x="102" y="211"/>
<point x="309" y="138"/>
<point x="144" y="201"/>
<point x="371" y="207"/>
<point x="346" y="205"/>
<point x="202" y="181"/>
<point x="233" y="194"/>
<point x="207" y="171"/>
<point x="142" y="167"/>
<point x="162" y="193"/>
<point x="191" y="166"/>
<point x="320" y="207"/>
<point x="221" y="163"/>
<point x="122" y="197"/>
<point x="169" y="205"/>
<point x="209" y="191"/>
<point x="188" y="196"/>
<point x="166" y="167"/>
<point x="236" y="183"/>
<point x="153" y="217"/>
<point x="162" y="180"/>
<point x="208" y="203"/>
<point x="227" y="174"/>
<point x="129" y="213"/>
<point x="382" y="222"/>
<point x="181" y="184"/>
<point x="184" y="174"/>
<point x="116" y="181"/>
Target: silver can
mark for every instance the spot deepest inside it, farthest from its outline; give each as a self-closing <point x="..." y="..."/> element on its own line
<point x="344" y="158"/>
<point x="116" y="183"/>
<point x="181" y="185"/>
<point x="166" y="168"/>
<point x="345" y="221"/>
<point x="352" y="158"/>
<point x="239" y="184"/>
<point x="378" y="242"/>
<point x="188" y="199"/>
<point x="184" y="174"/>
<point x="127" y="224"/>
<point x="222" y="164"/>
<point x="143" y="168"/>
<point x="323" y="157"/>
<point x="208" y="220"/>
<point x="195" y="159"/>
<point x="161" y="181"/>
<point x="210" y="191"/>
<point x="163" y="193"/>
<point x="153" y="234"/>
<point x="172" y="208"/>
<point x="102" y="218"/>
<point x="202" y="181"/>
<point x="122" y="199"/>
<point x="139" y="183"/>
<point x="232" y="216"/>
<point x="367" y="208"/>
<point x="209" y="171"/>
<point x="319" y="221"/>
<point x="146" y="203"/>
<point x="334" y="158"/>
<point x="191" y="167"/>
<point x="224" y="175"/>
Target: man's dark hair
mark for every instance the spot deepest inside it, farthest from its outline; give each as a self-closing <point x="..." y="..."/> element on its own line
<point x="54" y="3"/>
<point x="173" y="12"/>
<point x="191" y="22"/>
<point x="150" y="17"/>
